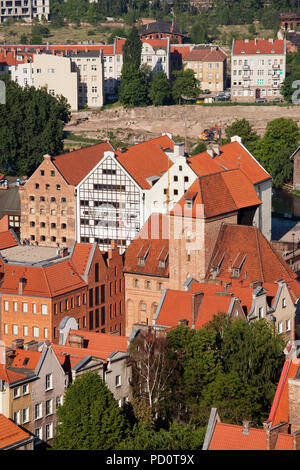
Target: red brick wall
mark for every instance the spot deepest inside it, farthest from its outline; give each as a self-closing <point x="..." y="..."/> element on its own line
<point x="64" y="211"/>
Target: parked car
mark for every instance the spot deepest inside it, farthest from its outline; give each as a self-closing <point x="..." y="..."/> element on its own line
<point x="260" y="100"/>
<point x="207" y="92"/>
<point x="277" y="100"/>
<point x="222" y="96"/>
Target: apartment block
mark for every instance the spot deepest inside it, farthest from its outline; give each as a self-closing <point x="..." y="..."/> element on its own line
<point x="258" y="69"/>
<point x="210" y="66"/>
<point x="25" y="10"/>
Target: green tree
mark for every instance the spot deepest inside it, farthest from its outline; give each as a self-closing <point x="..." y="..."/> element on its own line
<point x="132" y="48"/>
<point x="185" y="84"/>
<point x="132" y="90"/>
<point x="274" y="149"/>
<point x="201" y="147"/>
<point x="242" y="128"/>
<point x="160" y="89"/>
<point x="90" y="418"/>
<point x="31" y="125"/>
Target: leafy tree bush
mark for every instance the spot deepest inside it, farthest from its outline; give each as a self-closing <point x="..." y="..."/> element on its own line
<point x="185" y="84"/>
<point x="90" y="418"/>
<point x="160" y="89"/>
<point x="31" y="125"/>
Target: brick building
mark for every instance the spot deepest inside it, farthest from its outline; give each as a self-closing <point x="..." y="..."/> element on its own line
<point x="41" y="286"/>
<point x="162" y="29"/>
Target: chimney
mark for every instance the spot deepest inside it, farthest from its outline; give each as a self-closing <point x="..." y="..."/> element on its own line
<point x="296" y="440"/>
<point x="31" y="345"/>
<point x="178" y="149"/>
<point x="216" y="149"/>
<point x="246" y="427"/>
<point x="9" y="356"/>
<point x="236" y="138"/>
<point x="75" y="341"/>
<point x="17" y="343"/>
<point x="196" y="303"/>
<point x="63" y="252"/>
<point x="272" y="434"/>
<point x="22" y="282"/>
<point x="47" y="157"/>
<point x="211" y="153"/>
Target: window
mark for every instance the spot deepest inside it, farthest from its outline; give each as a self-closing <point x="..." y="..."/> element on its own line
<point x="25" y="389"/>
<point x="63" y="226"/>
<point x="49" y="382"/>
<point x="42" y="173"/>
<point x="34" y="308"/>
<point x="5" y="328"/>
<point x="25" y="330"/>
<point x="288" y="325"/>
<point x="38" y="433"/>
<point x="25" y="307"/>
<point x="175" y="178"/>
<point x="15" y="304"/>
<point x="6" y="305"/>
<point x="16" y="392"/>
<point x="15" y="330"/>
<point x="52" y="173"/>
<point x="48" y="407"/>
<point x="44" y="309"/>
<point x="186" y="179"/>
<point x="148" y="285"/>
<point x="37" y="411"/>
<point x="284" y="302"/>
<point x="118" y="381"/>
<point x="17" y="417"/>
<point x="58" y="401"/>
<point x="279" y="327"/>
<point x="36" y="332"/>
<point x="25" y="415"/>
<point x="49" y="431"/>
<point x="63" y="199"/>
<point x="45" y="332"/>
<point x="53" y="199"/>
<point x="58" y="187"/>
<point x="260" y="312"/>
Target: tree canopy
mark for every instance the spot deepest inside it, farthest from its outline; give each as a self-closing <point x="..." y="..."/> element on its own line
<point x="90" y="418"/>
<point x="31" y="125"/>
<point x="185" y="84"/>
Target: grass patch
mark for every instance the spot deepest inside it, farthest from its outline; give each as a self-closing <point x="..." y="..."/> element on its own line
<point x="78" y="138"/>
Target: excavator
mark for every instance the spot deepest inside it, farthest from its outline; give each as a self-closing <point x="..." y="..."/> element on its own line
<point x="211" y="135"/>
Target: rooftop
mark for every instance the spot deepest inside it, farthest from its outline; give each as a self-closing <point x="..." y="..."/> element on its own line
<point x="258" y="46"/>
<point x="10" y="433"/>
<point x="31" y="254"/>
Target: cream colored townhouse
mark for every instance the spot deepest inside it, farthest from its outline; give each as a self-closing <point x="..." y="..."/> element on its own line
<point x="209" y="64"/>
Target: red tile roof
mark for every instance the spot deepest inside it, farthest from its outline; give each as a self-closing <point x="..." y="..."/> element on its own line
<point x="258" y="46"/>
<point x="102" y="342"/>
<point x="10" y="433"/>
<point x="153" y="241"/>
<point x="81" y="256"/>
<point x="207" y="54"/>
<point x="280" y="406"/>
<point x="182" y="51"/>
<point x="74" y="166"/>
<point x="262" y="262"/>
<point x="218" y="193"/>
<point x="10" y="376"/>
<point x="146" y="159"/>
<point x="7" y="240"/>
<point x="48" y="281"/>
<point x="231" y="437"/>
<point x="25" y="359"/>
<point x="232" y="156"/>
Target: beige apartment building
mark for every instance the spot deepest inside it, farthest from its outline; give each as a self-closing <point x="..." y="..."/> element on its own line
<point x="58" y="75"/>
<point x="24" y="10"/>
<point x="209" y="64"/>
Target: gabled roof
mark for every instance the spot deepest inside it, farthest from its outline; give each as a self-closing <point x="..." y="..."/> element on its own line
<point x="104" y="343"/>
<point x="25" y="359"/>
<point x="146" y="159"/>
<point x="153" y="238"/>
<point x="218" y="193"/>
<point x="262" y="261"/>
<point x="207" y="54"/>
<point x="81" y="255"/>
<point x="258" y="46"/>
<point x="11" y="433"/>
<point x="75" y="165"/>
<point x="160" y="26"/>
<point x="232" y="156"/>
<point x="280" y="406"/>
<point x="10" y="376"/>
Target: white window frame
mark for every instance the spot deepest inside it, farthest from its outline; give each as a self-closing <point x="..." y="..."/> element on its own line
<point x="44" y="309"/>
<point x="39" y="407"/>
<point x="48" y="431"/>
<point x="6" y="306"/>
<point x="35" y="331"/>
<point x="50" y="412"/>
<point x="48" y="382"/>
<point x="25" y="307"/>
<point x="26" y="420"/>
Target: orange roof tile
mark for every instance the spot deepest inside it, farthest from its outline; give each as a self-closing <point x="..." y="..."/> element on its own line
<point x="232" y="156"/>
<point x="81" y="256"/>
<point x="262" y="262"/>
<point x="231" y="437"/>
<point x="10" y="433"/>
<point x="153" y="238"/>
<point x="7" y="240"/>
<point x="182" y="51"/>
<point x="207" y="54"/>
<point x="103" y="342"/>
<point x="146" y="159"/>
<point x="25" y="359"/>
<point x="218" y="193"/>
<point x="280" y="406"/>
<point x="212" y="305"/>
<point x="258" y="46"/>
<point x="74" y="166"/>
<point x="10" y="376"/>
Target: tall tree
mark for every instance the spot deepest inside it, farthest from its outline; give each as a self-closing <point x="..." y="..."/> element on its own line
<point x="31" y="125"/>
<point x="132" y="48"/>
<point x="185" y="84"/>
<point x="242" y="128"/>
<point x="160" y="89"/>
<point x="90" y="418"/>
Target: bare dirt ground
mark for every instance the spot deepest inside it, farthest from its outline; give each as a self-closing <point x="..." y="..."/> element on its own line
<point x="186" y="122"/>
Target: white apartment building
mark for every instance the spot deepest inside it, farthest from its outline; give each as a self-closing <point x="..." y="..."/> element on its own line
<point x="258" y="69"/>
<point x="24" y="9"/>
